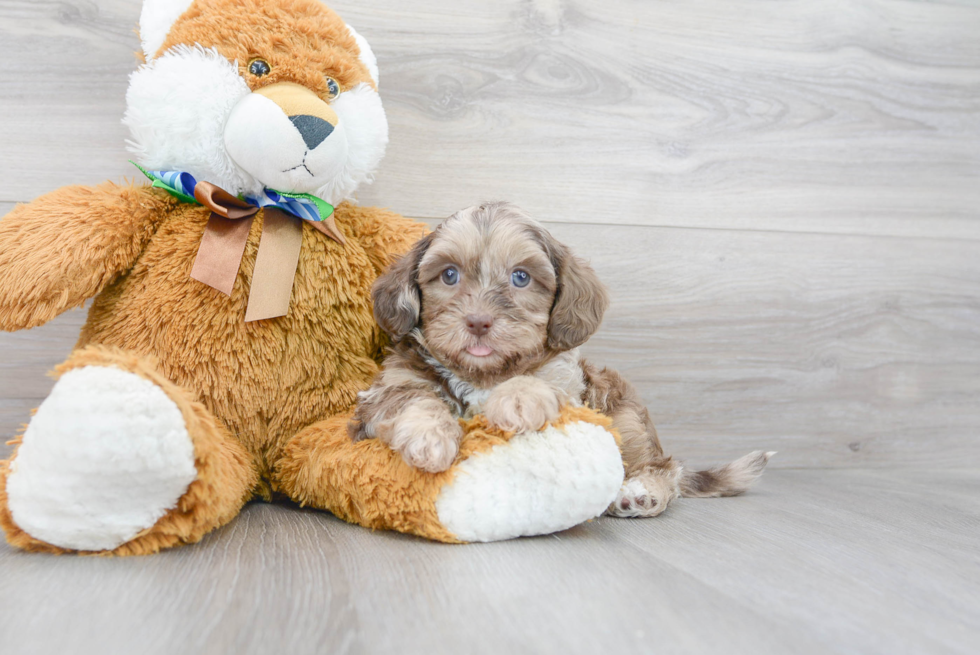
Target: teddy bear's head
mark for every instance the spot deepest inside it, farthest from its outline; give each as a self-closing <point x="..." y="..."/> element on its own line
<point x="253" y="94"/>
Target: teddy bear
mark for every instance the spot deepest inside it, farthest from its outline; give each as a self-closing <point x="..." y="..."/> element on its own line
<point x="231" y="325"/>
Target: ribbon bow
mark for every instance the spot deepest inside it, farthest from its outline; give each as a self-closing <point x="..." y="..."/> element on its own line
<point x="223" y="244"/>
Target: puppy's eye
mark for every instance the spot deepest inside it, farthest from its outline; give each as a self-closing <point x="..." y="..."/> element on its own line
<point x="259" y="67"/>
<point x="520" y="278"/>
<point x="333" y="89"/>
<point x="450" y="276"/>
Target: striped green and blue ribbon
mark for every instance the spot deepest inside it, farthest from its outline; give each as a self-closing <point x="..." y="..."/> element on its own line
<point x="181" y="185"/>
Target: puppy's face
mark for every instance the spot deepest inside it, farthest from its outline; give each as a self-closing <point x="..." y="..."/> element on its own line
<point x="487" y="288"/>
<point x="491" y="293"/>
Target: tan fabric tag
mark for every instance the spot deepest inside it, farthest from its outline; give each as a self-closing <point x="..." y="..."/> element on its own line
<point x="220" y="253"/>
<point x="275" y="266"/>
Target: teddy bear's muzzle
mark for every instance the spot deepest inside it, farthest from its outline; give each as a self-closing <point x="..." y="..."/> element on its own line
<point x="287" y="137"/>
<point x="311" y="116"/>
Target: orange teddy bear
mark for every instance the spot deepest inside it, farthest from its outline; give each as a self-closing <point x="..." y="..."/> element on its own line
<point x="231" y="327"/>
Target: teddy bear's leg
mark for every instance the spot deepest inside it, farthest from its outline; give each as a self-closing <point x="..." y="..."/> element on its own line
<point x="501" y="486"/>
<point x="119" y="459"/>
<point x="363" y="482"/>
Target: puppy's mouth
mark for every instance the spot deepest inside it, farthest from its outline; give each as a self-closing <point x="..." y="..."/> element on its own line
<point x="480" y="351"/>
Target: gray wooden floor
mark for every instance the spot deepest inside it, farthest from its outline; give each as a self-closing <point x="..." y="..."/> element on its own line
<point x="812" y="561"/>
<point x="783" y="198"/>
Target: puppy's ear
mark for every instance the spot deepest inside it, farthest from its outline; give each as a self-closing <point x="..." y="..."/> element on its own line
<point x="396" y="295"/>
<point x="580" y="300"/>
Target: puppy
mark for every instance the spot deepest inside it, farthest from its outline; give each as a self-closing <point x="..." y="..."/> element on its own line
<point x="486" y="315"/>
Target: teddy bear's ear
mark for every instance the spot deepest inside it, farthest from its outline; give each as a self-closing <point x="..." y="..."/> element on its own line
<point x="156" y="19"/>
<point x="367" y="55"/>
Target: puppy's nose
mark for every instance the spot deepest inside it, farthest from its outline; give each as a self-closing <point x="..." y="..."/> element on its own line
<point x="479" y="324"/>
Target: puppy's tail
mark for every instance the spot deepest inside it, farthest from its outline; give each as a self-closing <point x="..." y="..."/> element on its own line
<point x="728" y="480"/>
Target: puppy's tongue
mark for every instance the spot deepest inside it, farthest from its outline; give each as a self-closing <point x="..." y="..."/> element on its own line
<point x="480" y="351"/>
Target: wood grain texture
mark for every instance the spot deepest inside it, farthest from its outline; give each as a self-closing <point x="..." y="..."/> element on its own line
<point x="809" y="562"/>
<point x="833" y="116"/>
<point x="64" y="105"/>
<point x="26" y="358"/>
<point x="833" y="350"/>
<point x="849" y="117"/>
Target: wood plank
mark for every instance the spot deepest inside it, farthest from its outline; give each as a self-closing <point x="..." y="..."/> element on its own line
<point x="809" y="562"/>
<point x="281" y="580"/>
<point x="833" y="350"/>
<point x="28" y="356"/>
<point x="841" y="116"/>
<point x="845" y="117"/>
<point x="64" y="105"/>
<point x="26" y="359"/>
<point x="857" y="553"/>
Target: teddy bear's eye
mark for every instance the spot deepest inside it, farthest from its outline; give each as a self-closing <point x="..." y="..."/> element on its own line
<point x="259" y="67"/>
<point x="333" y="89"/>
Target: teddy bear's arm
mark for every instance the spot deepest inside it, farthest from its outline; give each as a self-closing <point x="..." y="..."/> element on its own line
<point x="66" y="246"/>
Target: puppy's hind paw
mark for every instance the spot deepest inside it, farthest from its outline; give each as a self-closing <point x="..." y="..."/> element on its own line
<point x="635" y="500"/>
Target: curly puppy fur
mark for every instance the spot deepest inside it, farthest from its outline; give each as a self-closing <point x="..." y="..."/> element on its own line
<point x="486" y="315"/>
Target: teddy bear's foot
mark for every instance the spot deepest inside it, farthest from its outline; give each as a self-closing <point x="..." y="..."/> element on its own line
<point x="108" y="455"/>
<point x="537" y="483"/>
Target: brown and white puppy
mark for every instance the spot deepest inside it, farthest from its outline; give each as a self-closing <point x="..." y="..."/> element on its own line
<point x="486" y="315"/>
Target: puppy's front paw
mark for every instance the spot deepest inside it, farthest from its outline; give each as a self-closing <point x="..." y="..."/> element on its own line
<point x="426" y="435"/>
<point x="520" y="404"/>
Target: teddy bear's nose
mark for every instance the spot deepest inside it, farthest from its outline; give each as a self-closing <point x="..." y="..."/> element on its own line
<point x="313" y="129"/>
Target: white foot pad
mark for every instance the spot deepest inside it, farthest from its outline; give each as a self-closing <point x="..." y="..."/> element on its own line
<point x="106" y="455"/>
<point x="538" y="483"/>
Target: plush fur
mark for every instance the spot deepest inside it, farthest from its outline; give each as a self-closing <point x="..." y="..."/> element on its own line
<point x="486" y="314"/>
<point x="156" y="19"/>
<point x="191" y="106"/>
<point x="176" y="109"/>
<point x="264" y="404"/>
<point x="71" y="463"/>
<point x="249" y="387"/>
<point x="323" y="468"/>
<point x="226" y="473"/>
